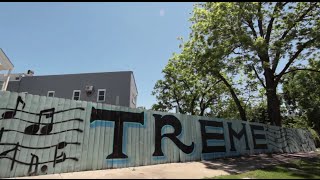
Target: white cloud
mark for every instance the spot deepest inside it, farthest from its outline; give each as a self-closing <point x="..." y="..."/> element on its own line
<point x="162" y="12"/>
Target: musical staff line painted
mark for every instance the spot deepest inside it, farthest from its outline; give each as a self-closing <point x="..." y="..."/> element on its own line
<point x="45" y="147"/>
<point x="10" y="130"/>
<point x="38" y="114"/>
<point x="25" y="163"/>
<point x="74" y="119"/>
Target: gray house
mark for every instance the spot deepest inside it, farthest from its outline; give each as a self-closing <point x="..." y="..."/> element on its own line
<point x="116" y="88"/>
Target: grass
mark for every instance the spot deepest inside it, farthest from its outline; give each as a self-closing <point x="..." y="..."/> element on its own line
<point x="296" y="169"/>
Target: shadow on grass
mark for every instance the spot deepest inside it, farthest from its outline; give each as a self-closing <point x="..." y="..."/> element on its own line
<point x="300" y="165"/>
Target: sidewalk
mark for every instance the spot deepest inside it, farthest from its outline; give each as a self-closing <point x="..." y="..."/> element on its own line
<point x="189" y="170"/>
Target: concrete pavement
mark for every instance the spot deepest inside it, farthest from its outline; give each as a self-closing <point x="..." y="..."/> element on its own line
<point x="188" y="170"/>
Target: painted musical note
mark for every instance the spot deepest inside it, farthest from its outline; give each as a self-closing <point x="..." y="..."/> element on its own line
<point x="62" y="157"/>
<point x="58" y="159"/>
<point x="38" y="127"/>
<point x="11" y="114"/>
<point x="63" y="121"/>
<point x="34" y="128"/>
<point x="32" y="163"/>
<point x="60" y="145"/>
<point x="48" y="128"/>
<point x="1" y="133"/>
<point x="75" y="129"/>
<point x="35" y="159"/>
<point x="15" y="149"/>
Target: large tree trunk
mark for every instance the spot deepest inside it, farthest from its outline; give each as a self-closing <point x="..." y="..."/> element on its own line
<point x="235" y="98"/>
<point x="273" y="103"/>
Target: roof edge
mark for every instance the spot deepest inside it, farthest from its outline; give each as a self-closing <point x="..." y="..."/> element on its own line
<point x="6" y="59"/>
<point x="134" y="80"/>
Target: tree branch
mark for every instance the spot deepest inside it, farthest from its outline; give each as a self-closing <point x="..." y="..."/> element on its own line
<point x="300" y="69"/>
<point x="277" y="7"/>
<point x="186" y="84"/>
<point x="284" y="35"/>
<point x="295" y="22"/>
<point x="241" y="110"/>
<point x="260" y="20"/>
<point x="249" y="96"/>
<point x="250" y="25"/>
<point x="202" y="97"/>
<point x="255" y="71"/>
<point x="300" y="49"/>
<point x="177" y="99"/>
<point x="203" y="105"/>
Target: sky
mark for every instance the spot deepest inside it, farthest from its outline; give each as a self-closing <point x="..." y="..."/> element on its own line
<point x="68" y="38"/>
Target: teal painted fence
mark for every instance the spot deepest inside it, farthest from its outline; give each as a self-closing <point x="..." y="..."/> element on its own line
<point x="45" y="135"/>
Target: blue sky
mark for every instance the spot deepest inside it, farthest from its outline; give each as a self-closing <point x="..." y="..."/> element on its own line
<point x="67" y="38"/>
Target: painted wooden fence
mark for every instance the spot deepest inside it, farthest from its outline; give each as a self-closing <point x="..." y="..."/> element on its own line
<point x="45" y="135"/>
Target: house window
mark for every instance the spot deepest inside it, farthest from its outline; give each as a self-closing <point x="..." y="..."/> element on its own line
<point x="101" y="97"/>
<point x="50" y="94"/>
<point x="76" y="95"/>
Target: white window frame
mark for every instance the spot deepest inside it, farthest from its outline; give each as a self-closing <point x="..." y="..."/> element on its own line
<point x="51" y="92"/>
<point x="79" y="94"/>
<point x="104" y="97"/>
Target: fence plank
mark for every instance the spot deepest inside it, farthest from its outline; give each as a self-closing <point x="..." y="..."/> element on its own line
<point x="86" y="137"/>
<point x="90" y="153"/>
<point x="95" y="141"/>
<point x="79" y="136"/>
<point x="46" y="140"/>
<point x="7" y="101"/>
<point x="61" y="167"/>
<point x="57" y="128"/>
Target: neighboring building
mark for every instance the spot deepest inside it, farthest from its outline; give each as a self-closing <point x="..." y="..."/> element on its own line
<point x="116" y="88"/>
<point x="5" y="65"/>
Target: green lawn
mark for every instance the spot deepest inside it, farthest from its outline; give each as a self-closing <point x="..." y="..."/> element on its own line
<point x="297" y="169"/>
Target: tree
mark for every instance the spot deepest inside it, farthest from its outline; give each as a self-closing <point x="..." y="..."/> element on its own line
<point x="263" y="40"/>
<point x="193" y="93"/>
<point x="301" y="91"/>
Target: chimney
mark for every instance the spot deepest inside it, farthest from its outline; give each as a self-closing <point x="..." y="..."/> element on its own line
<point x="30" y="73"/>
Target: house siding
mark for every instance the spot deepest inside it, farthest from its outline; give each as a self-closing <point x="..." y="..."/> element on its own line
<point x="133" y="92"/>
<point x="115" y="83"/>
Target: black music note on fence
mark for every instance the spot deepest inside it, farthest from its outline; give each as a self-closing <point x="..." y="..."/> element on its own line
<point x="15" y="149"/>
<point x="32" y="163"/>
<point x="35" y="159"/>
<point x="34" y="128"/>
<point x="62" y="157"/>
<point x="1" y="133"/>
<point x="75" y="129"/>
<point x="57" y="159"/>
<point x="63" y="121"/>
<point x="11" y="114"/>
<point x="60" y="145"/>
